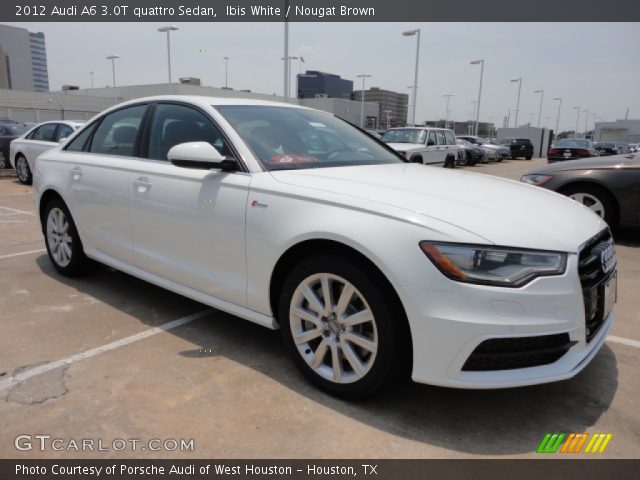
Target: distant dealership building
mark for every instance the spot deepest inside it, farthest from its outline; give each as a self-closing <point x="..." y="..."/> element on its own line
<point x="393" y="105"/>
<point x="23" y="60"/>
<point x="312" y="84"/>
<point x="618" y="131"/>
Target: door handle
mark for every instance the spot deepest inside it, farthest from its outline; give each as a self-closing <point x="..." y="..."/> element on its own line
<point x="76" y="173"/>
<point x="142" y="184"/>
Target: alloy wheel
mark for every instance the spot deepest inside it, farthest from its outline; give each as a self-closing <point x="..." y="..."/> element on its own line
<point x="591" y="202"/>
<point x="22" y="169"/>
<point x="58" y="238"/>
<point x="333" y="328"/>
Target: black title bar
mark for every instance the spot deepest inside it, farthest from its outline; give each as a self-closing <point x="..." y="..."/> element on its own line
<point x="318" y="11"/>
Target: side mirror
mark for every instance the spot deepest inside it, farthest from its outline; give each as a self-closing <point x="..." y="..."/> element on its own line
<point x="62" y="140"/>
<point x="199" y="155"/>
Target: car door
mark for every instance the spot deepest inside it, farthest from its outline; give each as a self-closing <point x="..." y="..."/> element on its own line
<point x="442" y="146"/>
<point x="432" y="154"/>
<point x="452" y="147"/>
<point x="40" y="140"/>
<point x="102" y="159"/>
<point x="189" y="224"/>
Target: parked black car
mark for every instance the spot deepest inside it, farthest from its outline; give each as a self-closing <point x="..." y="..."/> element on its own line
<point x="571" y="149"/>
<point x="473" y="154"/>
<point x="609" y="186"/>
<point x="520" y="147"/>
<point x="8" y="131"/>
<point x="606" y="148"/>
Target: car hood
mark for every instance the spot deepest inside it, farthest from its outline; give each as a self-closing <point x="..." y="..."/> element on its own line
<point x="499" y="211"/>
<point x="628" y="160"/>
<point x="404" y="147"/>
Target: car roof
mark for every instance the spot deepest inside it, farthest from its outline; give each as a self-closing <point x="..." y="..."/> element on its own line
<point x="205" y="101"/>
<point x="420" y="128"/>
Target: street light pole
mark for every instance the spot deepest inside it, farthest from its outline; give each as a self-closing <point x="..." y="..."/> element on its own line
<point x="446" y="119"/>
<point x="558" y="117"/>
<point x="410" y="33"/>
<point x="541" y="92"/>
<point x="586" y="120"/>
<point x="287" y="60"/>
<point x="226" y="72"/>
<point x="477" y="110"/>
<point x="168" y="29"/>
<point x="575" y="133"/>
<point x="91" y="75"/>
<point x="363" y="76"/>
<point x="113" y="67"/>
<point x="519" y="80"/>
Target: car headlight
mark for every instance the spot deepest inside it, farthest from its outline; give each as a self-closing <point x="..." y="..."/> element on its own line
<point x="497" y="266"/>
<point x="534" y="179"/>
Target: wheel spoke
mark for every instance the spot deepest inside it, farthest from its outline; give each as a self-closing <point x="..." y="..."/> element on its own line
<point x="327" y="295"/>
<point x="352" y="358"/>
<point x="311" y="297"/>
<point x="345" y="299"/>
<point x="336" y="363"/>
<point x="319" y="354"/>
<point x="303" y="314"/>
<point x="361" y="341"/>
<point x="362" y="316"/>
<point x="307" y="335"/>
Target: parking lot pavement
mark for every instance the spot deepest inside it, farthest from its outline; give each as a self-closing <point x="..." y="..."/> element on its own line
<point x="84" y="359"/>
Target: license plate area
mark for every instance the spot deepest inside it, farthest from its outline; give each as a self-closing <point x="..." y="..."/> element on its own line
<point x="609" y="294"/>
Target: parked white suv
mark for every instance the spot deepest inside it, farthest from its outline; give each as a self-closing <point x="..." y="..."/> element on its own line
<point x="428" y="145"/>
<point x="369" y="265"/>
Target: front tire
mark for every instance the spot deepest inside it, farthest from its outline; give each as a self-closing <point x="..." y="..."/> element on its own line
<point x="63" y="243"/>
<point x="342" y="326"/>
<point x="597" y="199"/>
<point x="23" y="171"/>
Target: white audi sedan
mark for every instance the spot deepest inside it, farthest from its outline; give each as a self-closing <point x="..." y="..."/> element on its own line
<point x="370" y="266"/>
<point x="24" y="150"/>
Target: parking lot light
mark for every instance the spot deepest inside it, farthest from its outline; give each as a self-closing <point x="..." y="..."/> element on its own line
<point x="226" y="72"/>
<point x="559" y="99"/>
<point x="168" y="29"/>
<point x="541" y="92"/>
<point x="477" y="110"/>
<point x="410" y="33"/>
<point x="51" y="100"/>
<point x="575" y="133"/>
<point x="586" y="121"/>
<point x="519" y="80"/>
<point x="113" y="67"/>
<point x="363" y="76"/>
<point x="446" y="119"/>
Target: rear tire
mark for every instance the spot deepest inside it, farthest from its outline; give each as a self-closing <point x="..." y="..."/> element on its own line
<point x="23" y="171"/>
<point x="63" y="243"/>
<point x="350" y="360"/>
<point x="528" y="157"/>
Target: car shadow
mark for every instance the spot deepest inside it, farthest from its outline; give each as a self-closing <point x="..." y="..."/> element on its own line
<point x="485" y="422"/>
<point x="627" y="236"/>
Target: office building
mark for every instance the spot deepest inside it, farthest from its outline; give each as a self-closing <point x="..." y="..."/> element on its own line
<point x="23" y="56"/>
<point x="393" y="106"/>
<point x="313" y="84"/>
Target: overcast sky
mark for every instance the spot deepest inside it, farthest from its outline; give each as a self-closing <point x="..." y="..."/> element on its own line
<point x="592" y="65"/>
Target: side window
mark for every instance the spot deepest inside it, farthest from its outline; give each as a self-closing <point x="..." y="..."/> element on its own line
<point x="441" y="139"/>
<point x="63" y="132"/>
<point x="451" y="138"/>
<point x="3" y="131"/>
<point x="118" y="131"/>
<point x="78" y="143"/>
<point x="174" y="124"/>
<point x="432" y="139"/>
<point x="46" y="133"/>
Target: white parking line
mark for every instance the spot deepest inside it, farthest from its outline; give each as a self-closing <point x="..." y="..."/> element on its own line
<point x="25" y="375"/>
<point x="23" y="212"/>
<point x="28" y="252"/>
<point x="624" y="341"/>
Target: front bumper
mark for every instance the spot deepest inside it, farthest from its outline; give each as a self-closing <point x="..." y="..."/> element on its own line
<point x="448" y="324"/>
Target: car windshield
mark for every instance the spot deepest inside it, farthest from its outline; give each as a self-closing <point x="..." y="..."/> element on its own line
<point x="15" y="129"/>
<point x="285" y="138"/>
<point x="573" y="143"/>
<point x="405" y="135"/>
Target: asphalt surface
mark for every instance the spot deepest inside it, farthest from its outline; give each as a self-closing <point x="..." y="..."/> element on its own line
<point x="229" y="386"/>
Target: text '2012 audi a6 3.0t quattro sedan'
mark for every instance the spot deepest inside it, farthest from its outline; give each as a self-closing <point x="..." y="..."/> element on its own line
<point x="372" y="267"/>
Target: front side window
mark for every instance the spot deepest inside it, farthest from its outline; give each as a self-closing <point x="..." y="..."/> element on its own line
<point x="63" y="132"/>
<point x="404" y="135"/>
<point x="118" y="132"/>
<point x="45" y="133"/>
<point x="296" y="138"/>
<point x="432" y="139"/>
<point x="174" y="124"/>
<point x="441" y="139"/>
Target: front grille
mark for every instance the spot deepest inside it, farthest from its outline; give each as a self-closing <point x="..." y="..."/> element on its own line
<point x="592" y="279"/>
<point x="518" y="352"/>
